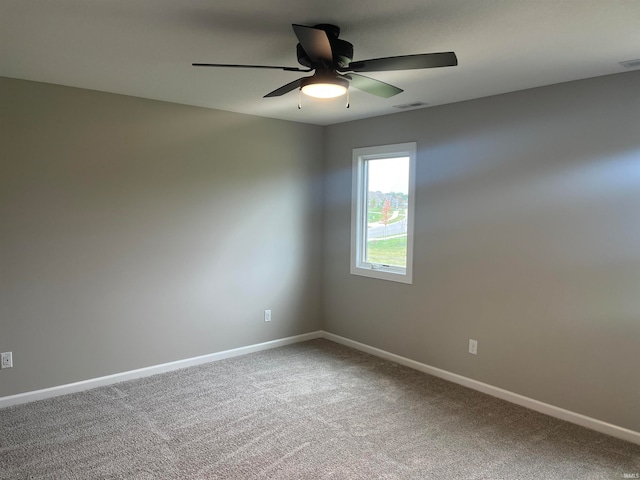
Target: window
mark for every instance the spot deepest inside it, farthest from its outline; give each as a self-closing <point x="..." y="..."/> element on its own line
<point x="382" y="212"/>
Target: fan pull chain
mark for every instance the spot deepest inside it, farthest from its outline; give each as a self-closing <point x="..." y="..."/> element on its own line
<point x="348" y="102"/>
<point x="299" y="99"/>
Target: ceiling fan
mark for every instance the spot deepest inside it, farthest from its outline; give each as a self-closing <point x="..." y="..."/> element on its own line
<point x="321" y="50"/>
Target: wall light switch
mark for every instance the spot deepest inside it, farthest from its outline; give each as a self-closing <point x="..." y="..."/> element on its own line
<point x="473" y="347"/>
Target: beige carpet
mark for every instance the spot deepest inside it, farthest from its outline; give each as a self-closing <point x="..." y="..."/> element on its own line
<point x="315" y="410"/>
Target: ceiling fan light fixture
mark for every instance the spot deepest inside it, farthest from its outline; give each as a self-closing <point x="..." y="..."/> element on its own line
<point x="324" y="87"/>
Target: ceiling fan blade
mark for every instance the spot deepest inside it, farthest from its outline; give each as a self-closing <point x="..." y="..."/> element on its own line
<point x="285" y="88"/>
<point x="286" y="69"/>
<point x="373" y="86"/>
<point x="315" y="43"/>
<point x="405" y="62"/>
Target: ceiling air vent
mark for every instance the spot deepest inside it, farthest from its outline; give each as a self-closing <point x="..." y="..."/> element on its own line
<point x="631" y="63"/>
<point x="411" y="105"/>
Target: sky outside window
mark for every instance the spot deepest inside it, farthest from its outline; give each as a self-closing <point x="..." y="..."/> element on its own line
<point x="389" y="175"/>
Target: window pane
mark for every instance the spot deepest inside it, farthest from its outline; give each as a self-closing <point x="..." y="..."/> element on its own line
<point x="386" y="211"/>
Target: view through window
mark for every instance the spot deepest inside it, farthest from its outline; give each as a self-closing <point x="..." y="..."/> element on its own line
<point x="387" y="205"/>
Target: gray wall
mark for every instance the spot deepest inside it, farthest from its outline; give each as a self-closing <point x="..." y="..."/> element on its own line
<point x="527" y="239"/>
<point x="136" y="232"/>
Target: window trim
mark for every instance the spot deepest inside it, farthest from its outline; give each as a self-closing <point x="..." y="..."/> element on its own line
<point x="358" y="212"/>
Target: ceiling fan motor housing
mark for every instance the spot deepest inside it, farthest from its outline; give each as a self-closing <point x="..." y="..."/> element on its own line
<point x="341" y="49"/>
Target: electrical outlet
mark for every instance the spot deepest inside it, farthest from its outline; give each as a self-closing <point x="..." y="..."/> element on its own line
<point x="473" y="347"/>
<point x="6" y="360"/>
<point x="267" y="315"/>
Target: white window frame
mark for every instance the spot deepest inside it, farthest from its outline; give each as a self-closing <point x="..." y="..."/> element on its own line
<point x="359" y="218"/>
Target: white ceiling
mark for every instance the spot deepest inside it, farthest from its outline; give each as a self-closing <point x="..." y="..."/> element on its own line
<point x="145" y="48"/>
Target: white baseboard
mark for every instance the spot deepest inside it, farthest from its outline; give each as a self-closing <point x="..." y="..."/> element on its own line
<point x="551" y="410"/>
<point x="148" y="371"/>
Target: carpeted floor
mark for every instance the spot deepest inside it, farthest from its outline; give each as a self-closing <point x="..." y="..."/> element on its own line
<point x="314" y="410"/>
